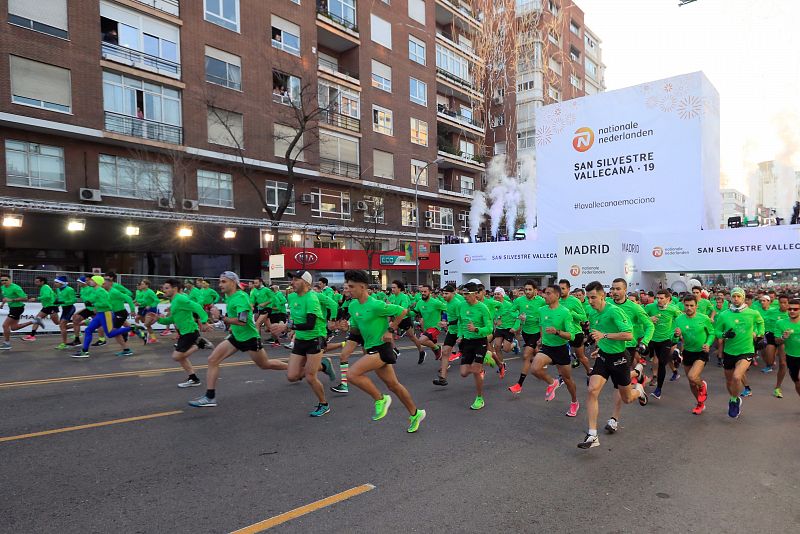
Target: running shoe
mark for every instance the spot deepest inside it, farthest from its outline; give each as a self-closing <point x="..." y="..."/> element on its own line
<point x="778" y="393"/>
<point x="421" y="359"/>
<point x="29" y="337"/>
<point x="320" y="410"/>
<point x="589" y="442"/>
<point x="206" y="343"/>
<point x="124" y="352"/>
<point x="381" y="407"/>
<point x="550" y="392"/>
<point x="100" y="342"/>
<point x="746" y="392"/>
<point x="573" y="409"/>
<point x="74" y="343"/>
<point x="454" y="356"/>
<point x="327" y="368"/>
<point x="166" y="332"/>
<point x="502" y="370"/>
<point x="734" y="408"/>
<point x="439" y="381"/>
<point x="341" y="388"/>
<point x="642" y="395"/>
<point x="203" y="402"/>
<point x="515" y="349"/>
<point x="189" y="384"/>
<point x="152" y="340"/>
<point x="396" y="352"/>
<point x="38" y="321"/>
<point x="702" y="395"/>
<point x="478" y="403"/>
<point x="767" y="369"/>
<point x="289" y="346"/>
<point x="574" y="362"/>
<point x="488" y="360"/>
<point x="516" y="389"/>
<point x="415" y="420"/>
<point x="61" y="346"/>
<point x="612" y="426"/>
<point x="675" y="376"/>
<point x="656" y="394"/>
<point x="140" y="332"/>
<point x="80" y="353"/>
<point x="699" y="408"/>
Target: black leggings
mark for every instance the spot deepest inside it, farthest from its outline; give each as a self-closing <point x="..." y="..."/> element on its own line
<point x="660" y="350"/>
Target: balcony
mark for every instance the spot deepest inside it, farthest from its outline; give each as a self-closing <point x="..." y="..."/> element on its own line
<point x="333" y="69"/>
<point x="454" y="12"/>
<point x="460" y="48"/>
<point x="457" y="84"/>
<point x="444" y="112"/>
<point x="340" y="120"/>
<point x="171" y="7"/>
<point x="140" y="60"/>
<point x="454" y="158"/>
<point x="337" y="31"/>
<point x="339" y="168"/>
<point x="322" y="9"/>
<point x="463" y="195"/>
<point x="142" y="128"/>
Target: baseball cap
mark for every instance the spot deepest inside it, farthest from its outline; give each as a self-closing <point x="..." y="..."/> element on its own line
<point x="469" y="287"/>
<point x="97" y="279"/>
<point x="230" y="275"/>
<point x="304" y="275"/>
<point x="475" y="281"/>
<point x="61" y="280"/>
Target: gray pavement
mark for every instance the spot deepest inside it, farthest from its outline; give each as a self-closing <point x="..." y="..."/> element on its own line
<point x="513" y="466"/>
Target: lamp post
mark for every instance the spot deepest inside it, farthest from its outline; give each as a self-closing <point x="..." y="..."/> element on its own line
<point x="416" y="214"/>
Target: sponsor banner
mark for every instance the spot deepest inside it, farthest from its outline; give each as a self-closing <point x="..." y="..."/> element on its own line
<point x="615" y="159"/>
<point x="276" y="266"/>
<point x="602" y="256"/>
<point x="336" y="259"/>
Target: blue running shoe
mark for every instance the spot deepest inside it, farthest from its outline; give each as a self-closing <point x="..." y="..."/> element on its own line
<point x="656" y="394"/>
<point x="747" y="392"/>
<point x="734" y="408"/>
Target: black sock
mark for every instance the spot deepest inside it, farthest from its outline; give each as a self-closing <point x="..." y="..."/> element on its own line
<point x="211" y="393"/>
<point x="193" y="378"/>
<point x="323" y="403"/>
<point x="521" y="379"/>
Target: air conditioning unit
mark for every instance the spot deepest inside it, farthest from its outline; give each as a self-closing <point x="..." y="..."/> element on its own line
<point x="428" y="224"/>
<point x="361" y="206"/>
<point x="497" y="101"/>
<point x="307" y="199"/>
<point x="462" y="216"/>
<point x="90" y="195"/>
<point x="429" y="215"/>
<point x="166" y="202"/>
<point x="190" y="205"/>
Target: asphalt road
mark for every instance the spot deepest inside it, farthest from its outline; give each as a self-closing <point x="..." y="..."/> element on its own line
<point x="513" y="466"/>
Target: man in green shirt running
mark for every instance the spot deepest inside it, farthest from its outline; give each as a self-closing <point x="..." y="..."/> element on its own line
<point x="662" y="313"/>
<point x="697" y="332"/>
<point x="769" y="344"/>
<point x="611" y="330"/>
<point x="527" y="308"/>
<point x="13" y="297"/>
<point x="502" y="338"/>
<point x="65" y="297"/>
<point x="146" y="303"/>
<point x="406" y="327"/>
<point x="579" y="317"/>
<point x="788" y="334"/>
<point x="783" y="307"/>
<point x="243" y="337"/>
<point x="47" y="298"/>
<point x="371" y="317"/>
<point x="704" y="306"/>
<point x="453" y="302"/>
<point x="430" y="310"/>
<point x="475" y="324"/>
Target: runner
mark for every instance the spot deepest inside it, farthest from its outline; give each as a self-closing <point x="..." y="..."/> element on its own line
<point x="697" y="332"/>
<point x="86" y="293"/>
<point x="118" y="300"/>
<point x="611" y="330"/>
<point x="103" y="318"/>
<point x="65" y="297"/>
<point x="579" y="317"/>
<point x="261" y="297"/>
<point x="406" y="327"/>
<point x="789" y="331"/>
<point x="558" y="329"/>
<point x="354" y="339"/>
<point x="146" y="303"/>
<point x="502" y="338"/>
<point x="474" y="326"/>
<point x="453" y="301"/>
<point x="370" y="317"/>
<point x="47" y="298"/>
<point x="704" y="306"/>
<point x="736" y="328"/>
<point x="662" y="313"/>
<point x="783" y="307"/>
<point x="527" y="308"/>
<point x="14" y="297"/>
<point x="430" y="311"/>
<point x="182" y="312"/>
<point x="769" y="345"/>
<point x="243" y="337"/>
<point x="277" y="313"/>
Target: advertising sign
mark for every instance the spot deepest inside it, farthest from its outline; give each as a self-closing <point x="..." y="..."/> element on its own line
<point x="337" y="259"/>
<point x="644" y="156"/>
<point x="602" y="255"/>
<point x="276" y="266"/>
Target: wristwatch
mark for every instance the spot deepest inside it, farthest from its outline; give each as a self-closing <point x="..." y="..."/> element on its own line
<point x="605" y="336"/>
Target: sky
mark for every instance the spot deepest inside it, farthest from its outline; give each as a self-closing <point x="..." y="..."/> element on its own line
<point x="747" y="48"/>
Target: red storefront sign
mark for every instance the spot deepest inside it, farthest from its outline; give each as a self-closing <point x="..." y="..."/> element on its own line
<point x="336" y="259"/>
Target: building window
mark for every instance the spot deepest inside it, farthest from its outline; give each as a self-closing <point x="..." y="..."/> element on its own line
<point x="408" y="215"/>
<point x="131" y="178"/>
<point x="440" y="218"/>
<point x="381" y="76"/>
<point x="498" y="120"/>
<point x="375" y="212"/>
<point x="416" y="10"/>
<point x="419" y="172"/>
<point x="382" y="120"/>
<point x="468" y="184"/>
<point x="525" y="139"/>
<point x="225" y="128"/>
<point x="223" y="69"/>
<point x="330" y="204"/>
<point x="338" y="154"/>
<point x="574" y="28"/>
<point x="574" y="55"/>
<point x="554" y="9"/>
<point x="589" y="42"/>
<point x="339" y="99"/>
<point x="381" y="31"/>
<point x="591" y="68"/>
<point x="45" y="16"/>
<point x="416" y="50"/>
<point x="285" y="35"/>
<point x="214" y="189"/>
<point x="223" y="13"/>
<point x="285" y="89"/>
<point x="553" y="38"/>
<point x="499" y="148"/>
<point x="383" y="164"/>
<point x="453" y="63"/>
<point x="418" y="91"/>
<point x="142" y="100"/>
<point x="553" y="93"/>
<point x="555" y="66"/>
<point x="343" y="11"/>
<point x="419" y="132"/>
<point x="276" y="196"/>
<point x="35" y="165"/>
<point x="40" y="85"/>
<point x="575" y="81"/>
<point x="467" y="149"/>
<point x="282" y="137"/>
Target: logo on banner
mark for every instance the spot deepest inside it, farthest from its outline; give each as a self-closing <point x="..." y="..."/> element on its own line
<point x="306" y="258"/>
<point x="467" y="258"/>
<point x="583" y="140"/>
<point x="575" y="270"/>
<point x="658" y="252"/>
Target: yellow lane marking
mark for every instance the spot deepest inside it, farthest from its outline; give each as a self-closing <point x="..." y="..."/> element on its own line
<point x="90" y="425"/>
<point x="303" y="510"/>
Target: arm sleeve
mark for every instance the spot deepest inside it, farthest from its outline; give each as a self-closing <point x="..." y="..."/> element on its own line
<point x="649" y="327"/>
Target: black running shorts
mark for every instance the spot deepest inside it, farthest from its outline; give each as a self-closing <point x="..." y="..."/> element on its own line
<point x="309" y="347"/>
<point x="616" y="367"/>
<point x="185" y="341"/>
<point x="472" y="351"/>
<point x="385" y="351"/>
<point x="248" y="345"/>
<point x="559" y="355"/>
<point x="729" y="360"/>
<point x="690" y="357"/>
<point x="531" y="339"/>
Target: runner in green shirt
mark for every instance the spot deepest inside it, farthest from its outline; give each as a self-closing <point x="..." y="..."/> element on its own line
<point x="47" y="298"/>
<point x="406" y="328"/>
<point x="788" y="332"/>
<point x="86" y="293"/>
<point x="527" y="308"/>
<point x="505" y="317"/>
<point x="783" y="307"/>
<point x="704" y="306"/>
<point x="430" y="311"/>
<point x="13" y="297"/>
<point x="662" y="313"/>
<point x="768" y="345"/>
<point x="182" y="313"/>
<point x="580" y="318"/>
<point x="193" y="292"/>
<point x="453" y="301"/>
<point x="146" y="302"/>
<point x="475" y="323"/>
<point x="243" y="337"/>
<point x="65" y="297"/>
<point x="697" y="332"/>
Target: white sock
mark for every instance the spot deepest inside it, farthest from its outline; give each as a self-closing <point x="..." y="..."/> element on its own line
<point x="592" y="432"/>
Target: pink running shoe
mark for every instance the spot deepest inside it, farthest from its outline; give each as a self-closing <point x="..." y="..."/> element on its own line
<point x="702" y="395"/>
<point x="515" y="389"/>
<point x="573" y="409"/>
<point x="550" y="392"/>
<point x="166" y="332"/>
<point x="29" y="338"/>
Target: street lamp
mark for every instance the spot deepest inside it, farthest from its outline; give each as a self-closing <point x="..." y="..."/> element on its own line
<point x="416" y="213"/>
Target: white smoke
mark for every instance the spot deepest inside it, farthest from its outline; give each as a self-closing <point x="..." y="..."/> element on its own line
<point x="476" y="214"/>
<point x="527" y="188"/>
<point x="788" y="159"/>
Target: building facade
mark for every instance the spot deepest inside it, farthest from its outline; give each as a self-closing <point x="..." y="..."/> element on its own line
<point x="734" y="204"/>
<point x="185" y="137"/>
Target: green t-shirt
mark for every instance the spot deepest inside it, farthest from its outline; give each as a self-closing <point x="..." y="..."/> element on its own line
<point x="696" y="331"/>
<point x="196" y="295"/>
<point x="705" y="306"/>
<point x="477" y="314"/>
<point x="611" y="320"/>
<point x="506" y="314"/>
<point x="118" y="299"/>
<point x="301" y="307"/>
<point x="400" y="299"/>
<point x="452" y="313"/>
<point x="122" y="289"/>
<point x="663" y="328"/>
<point x="65" y="296"/>
<point x="238" y="306"/>
<point x="181" y="313"/>
<point x="746" y="324"/>
<point x="278" y="302"/>
<point x="87" y="296"/>
<point x="431" y="312"/>
<point x="380" y="295"/>
<point x="530" y="308"/>
<point x="47" y="297"/>
<point x="643" y="327"/>
<point x="13" y="291"/>
<point x="575" y="307"/>
<point x="770" y="317"/>
<point x="560" y="318"/>
<point x="329" y="306"/>
<point x="371" y="319"/>
<point x="792" y="343"/>
<point x="101" y="299"/>
<point x="210" y="296"/>
<point x="147" y="298"/>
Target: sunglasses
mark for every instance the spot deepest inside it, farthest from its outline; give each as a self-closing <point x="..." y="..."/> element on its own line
<point x="794" y="309"/>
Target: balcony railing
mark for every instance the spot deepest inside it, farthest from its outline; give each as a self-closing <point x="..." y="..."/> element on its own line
<point x="333" y="67"/>
<point x="167" y="6"/>
<point x="340" y="120"/>
<point x="455" y="79"/>
<point x="475" y="159"/>
<point x="465" y="193"/>
<point x="155" y="131"/>
<point x="444" y="110"/>
<point x="322" y="9"/>
<point x="134" y="58"/>
<point x="340" y="168"/>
